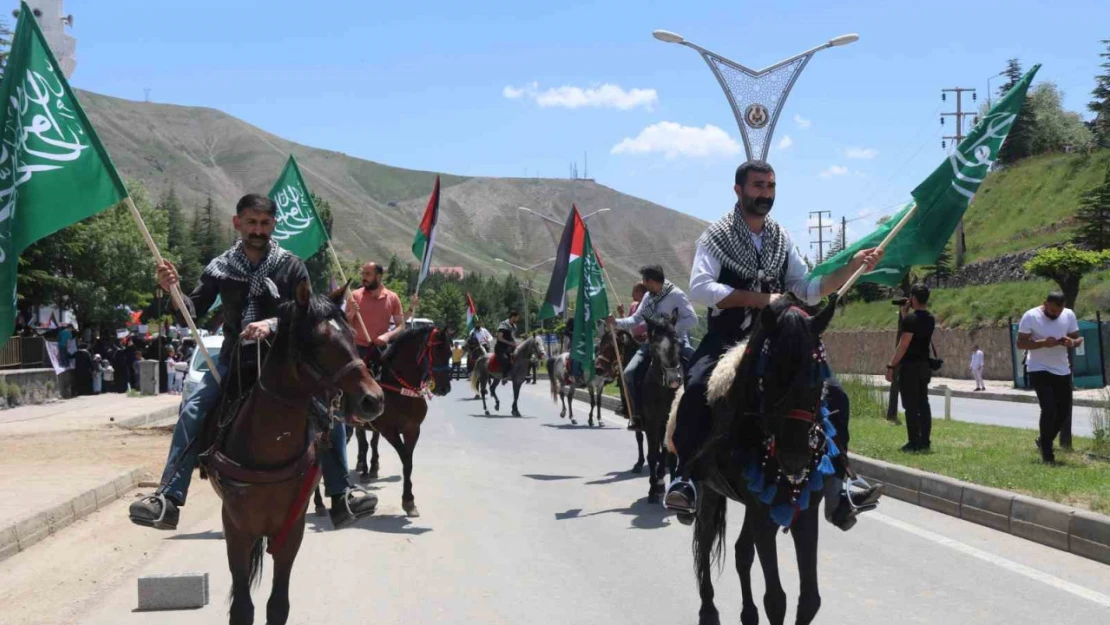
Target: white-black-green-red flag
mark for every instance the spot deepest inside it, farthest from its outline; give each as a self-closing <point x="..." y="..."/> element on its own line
<point x="567" y="271"/>
<point x="53" y="169"/>
<point x="471" y="314"/>
<point x="425" y="240"/>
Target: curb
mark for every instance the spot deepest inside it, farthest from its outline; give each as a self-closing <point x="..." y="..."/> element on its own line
<point x="1010" y="397"/>
<point x="169" y="412"/>
<point x="1081" y="532"/>
<point x="32" y="528"/>
<point x="609" y="403"/>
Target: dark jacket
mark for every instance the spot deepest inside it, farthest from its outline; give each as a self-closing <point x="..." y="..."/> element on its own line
<point x="233" y="297"/>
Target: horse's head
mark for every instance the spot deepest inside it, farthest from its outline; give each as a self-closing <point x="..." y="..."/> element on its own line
<point x="320" y="344"/>
<point x="419" y="357"/>
<point x="784" y="370"/>
<point x="533" y="347"/>
<point x="665" y="362"/>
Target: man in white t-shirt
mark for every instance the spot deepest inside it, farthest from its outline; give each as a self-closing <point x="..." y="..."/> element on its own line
<point x="977" y="362"/>
<point x="1048" y="332"/>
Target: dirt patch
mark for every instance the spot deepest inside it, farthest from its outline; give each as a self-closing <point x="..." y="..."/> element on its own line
<point x="65" y="452"/>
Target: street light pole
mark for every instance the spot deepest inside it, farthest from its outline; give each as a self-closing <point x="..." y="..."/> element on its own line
<point x="756" y="96"/>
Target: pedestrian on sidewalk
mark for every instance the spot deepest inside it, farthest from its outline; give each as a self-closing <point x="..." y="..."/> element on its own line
<point x="977" y="361"/>
<point x="97" y="374"/>
<point x="911" y="362"/>
<point x="1048" y="332"/>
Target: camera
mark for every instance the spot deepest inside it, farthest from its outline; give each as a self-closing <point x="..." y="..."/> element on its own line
<point x="900" y="302"/>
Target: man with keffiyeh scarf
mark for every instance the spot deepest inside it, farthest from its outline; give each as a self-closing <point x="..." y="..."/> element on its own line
<point x="252" y="279"/>
<point x="744" y="262"/>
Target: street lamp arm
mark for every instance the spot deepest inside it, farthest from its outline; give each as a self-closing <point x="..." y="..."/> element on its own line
<point x="836" y="41"/>
<point x="528" y="210"/>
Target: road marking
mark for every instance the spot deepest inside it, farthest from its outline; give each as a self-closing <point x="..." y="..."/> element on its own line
<point x="1009" y="565"/>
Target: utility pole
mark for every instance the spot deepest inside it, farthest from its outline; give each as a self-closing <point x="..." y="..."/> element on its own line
<point x="958" y="138"/>
<point x="843" y="233"/>
<point x="820" y="227"/>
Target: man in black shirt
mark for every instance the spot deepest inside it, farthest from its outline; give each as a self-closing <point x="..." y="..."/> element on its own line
<point x="911" y="360"/>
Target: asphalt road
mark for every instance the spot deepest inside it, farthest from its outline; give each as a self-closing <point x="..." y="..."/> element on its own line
<point x="1011" y="414"/>
<point x="533" y="521"/>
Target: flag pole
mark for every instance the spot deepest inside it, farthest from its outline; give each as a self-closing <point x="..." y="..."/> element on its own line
<point x="617" y="347"/>
<point x="347" y="291"/>
<point x="175" y="289"/>
<point x="882" y="246"/>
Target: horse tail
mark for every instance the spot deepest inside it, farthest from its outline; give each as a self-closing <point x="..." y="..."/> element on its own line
<point x="474" y="376"/>
<point x="710" y="525"/>
<point x="258" y="552"/>
<point x="551" y="377"/>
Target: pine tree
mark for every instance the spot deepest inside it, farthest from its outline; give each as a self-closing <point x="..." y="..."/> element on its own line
<point x="320" y="266"/>
<point x="1019" y="143"/>
<point x="176" y="235"/>
<point x="207" y="233"/>
<point x="5" y="45"/>
<point x="1094" y="217"/>
<point x="941" y="271"/>
<point x="1100" y="106"/>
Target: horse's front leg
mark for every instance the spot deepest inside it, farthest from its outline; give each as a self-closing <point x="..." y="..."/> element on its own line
<point x="239" y="547"/>
<point x="375" y="461"/>
<point x="639" y="466"/>
<point x="516" y="395"/>
<point x="745" y="558"/>
<point x="569" y="394"/>
<point x="277" y="608"/>
<point x="590" y="388"/>
<point x="363" y="446"/>
<point x="408" y="499"/>
<point x="318" y="500"/>
<point x="805" y="532"/>
<point x="562" y="400"/>
<point x="774" y="597"/>
<point x="493" y="384"/>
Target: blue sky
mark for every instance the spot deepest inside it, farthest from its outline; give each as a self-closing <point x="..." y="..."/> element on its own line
<point x="423" y="85"/>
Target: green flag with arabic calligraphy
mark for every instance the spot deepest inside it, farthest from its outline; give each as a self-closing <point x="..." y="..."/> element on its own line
<point x="299" y="228"/>
<point x="53" y="169"/>
<point x="941" y="199"/>
<point x="593" y="306"/>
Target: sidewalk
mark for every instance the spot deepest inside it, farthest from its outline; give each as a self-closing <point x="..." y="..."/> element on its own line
<point x="61" y="461"/>
<point x="997" y="390"/>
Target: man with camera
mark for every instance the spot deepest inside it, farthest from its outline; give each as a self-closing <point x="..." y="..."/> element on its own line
<point x="915" y="370"/>
<point x="1048" y="332"/>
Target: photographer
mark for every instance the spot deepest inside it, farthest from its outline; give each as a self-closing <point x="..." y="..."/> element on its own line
<point x="911" y="361"/>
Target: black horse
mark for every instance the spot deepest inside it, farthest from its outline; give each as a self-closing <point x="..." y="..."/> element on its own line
<point x="771" y="450"/>
<point x="662" y="381"/>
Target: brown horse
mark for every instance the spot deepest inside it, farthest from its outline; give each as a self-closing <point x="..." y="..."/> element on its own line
<point x="264" y="461"/>
<point x="417" y="360"/>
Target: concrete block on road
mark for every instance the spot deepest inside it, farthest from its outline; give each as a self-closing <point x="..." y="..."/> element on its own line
<point x="942" y="494"/>
<point x="59" y="516"/>
<point x="1041" y="521"/>
<point x="32" y="529"/>
<point x="124" y="483"/>
<point x="106" y="494"/>
<point x="986" y="506"/>
<point x="179" y="591"/>
<point x="1089" y="536"/>
<point x="9" y="542"/>
<point x="84" y="504"/>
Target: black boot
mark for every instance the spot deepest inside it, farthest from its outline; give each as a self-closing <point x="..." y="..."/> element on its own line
<point x="352" y="505"/>
<point x="855" y="499"/>
<point x="155" y="511"/>
<point x="682" y="497"/>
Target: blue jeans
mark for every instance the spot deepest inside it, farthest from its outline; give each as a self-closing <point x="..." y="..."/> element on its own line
<point x="182" y="459"/>
<point x="638" y="367"/>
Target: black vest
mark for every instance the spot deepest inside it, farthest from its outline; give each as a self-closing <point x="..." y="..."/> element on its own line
<point x="729" y="323"/>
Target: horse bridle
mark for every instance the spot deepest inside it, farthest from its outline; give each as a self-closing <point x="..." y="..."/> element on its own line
<point x="418" y="390"/>
<point x="329" y="382"/>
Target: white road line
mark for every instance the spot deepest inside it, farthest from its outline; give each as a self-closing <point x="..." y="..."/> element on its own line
<point x="1009" y="565"/>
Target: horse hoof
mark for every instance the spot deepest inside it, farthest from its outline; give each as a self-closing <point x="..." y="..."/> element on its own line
<point x="373" y="472"/>
<point x="573" y="422"/>
<point x="410" y="509"/>
<point x="709" y="619"/>
<point x="600" y="423"/>
<point x="364" y="476"/>
<point x="321" y="511"/>
<point x="653" y="498"/>
<point x="487" y="413"/>
<point x="637" y="468"/>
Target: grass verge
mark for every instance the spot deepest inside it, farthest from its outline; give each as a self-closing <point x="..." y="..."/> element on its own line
<point x="988" y="455"/>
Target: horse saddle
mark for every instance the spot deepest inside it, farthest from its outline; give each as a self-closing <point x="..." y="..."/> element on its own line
<point x="494" y="365"/>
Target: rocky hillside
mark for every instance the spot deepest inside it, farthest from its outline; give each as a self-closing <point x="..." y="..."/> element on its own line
<point x="204" y="152"/>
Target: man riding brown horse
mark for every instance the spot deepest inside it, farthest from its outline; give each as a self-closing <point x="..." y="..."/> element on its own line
<point x="252" y="279"/>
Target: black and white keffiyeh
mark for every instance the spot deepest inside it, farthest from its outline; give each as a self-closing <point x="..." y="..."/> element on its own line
<point x="234" y="265"/>
<point x="651" y="302"/>
<point x="729" y="240"/>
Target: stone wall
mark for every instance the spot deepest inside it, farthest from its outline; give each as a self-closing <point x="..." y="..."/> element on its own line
<point x="1007" y="268"/>
<point x="868" y="352"/>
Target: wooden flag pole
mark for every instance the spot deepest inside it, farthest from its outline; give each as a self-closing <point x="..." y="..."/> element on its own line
<point x="617" y="347"/>
<point x="175" y="290"/>
<point x="882" y="246"/>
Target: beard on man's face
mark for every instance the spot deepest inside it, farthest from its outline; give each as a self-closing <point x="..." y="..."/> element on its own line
<point x="758" y="206"/>
<point x="371" y="285"/>
<point x="257" y="241"/>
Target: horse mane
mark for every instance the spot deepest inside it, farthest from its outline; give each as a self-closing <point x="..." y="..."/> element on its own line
<point x="520" y="348"/>
<point x="296" y="324"/>
<point x="403" y="340"/>
<point x="660" y="323"/>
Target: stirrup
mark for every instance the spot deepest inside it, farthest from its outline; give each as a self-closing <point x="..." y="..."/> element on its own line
<point x="864" y="505"/>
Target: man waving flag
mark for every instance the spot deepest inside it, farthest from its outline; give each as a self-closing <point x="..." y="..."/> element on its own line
<point x="425" y="239"/>
<point x="939" y="203"/>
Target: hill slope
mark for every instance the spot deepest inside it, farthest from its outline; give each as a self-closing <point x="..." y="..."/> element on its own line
<point x="204" y="152"/>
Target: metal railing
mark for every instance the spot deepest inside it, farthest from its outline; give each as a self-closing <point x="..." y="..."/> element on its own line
<point x="23" y="353"/>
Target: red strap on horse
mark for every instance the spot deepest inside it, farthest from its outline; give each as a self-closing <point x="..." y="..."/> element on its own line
<point x="299" y="505"/>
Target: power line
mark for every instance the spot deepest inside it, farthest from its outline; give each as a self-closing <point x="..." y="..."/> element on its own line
<point x="958" y="138"/>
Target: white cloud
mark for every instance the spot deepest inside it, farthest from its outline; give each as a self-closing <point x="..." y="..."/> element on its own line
<point x="802" y="122"/>
<point x="785" y="142"/>
<point x="603" y="96"/>
<point x="834" y="170"/>
<point x="862" y="153"/>
<point x="674" y="140"/>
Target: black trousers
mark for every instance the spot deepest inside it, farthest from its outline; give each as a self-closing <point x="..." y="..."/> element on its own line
<point x="503" y="354"/>
<point x="1054" y="396"/>
<point x="694" y="422"/>
<point x="913" y="379"/>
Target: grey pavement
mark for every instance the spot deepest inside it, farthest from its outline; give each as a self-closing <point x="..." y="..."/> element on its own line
<point x="1011" y="414"/>
<point x="532" y="521"/>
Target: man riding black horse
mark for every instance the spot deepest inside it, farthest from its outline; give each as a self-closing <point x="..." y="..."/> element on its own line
<point x="742" y="263"/>
<point x="252" y="279"/>
<point x="506" y="342"/>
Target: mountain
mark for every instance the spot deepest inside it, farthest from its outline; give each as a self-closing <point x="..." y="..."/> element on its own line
<point x="203" y="152"/>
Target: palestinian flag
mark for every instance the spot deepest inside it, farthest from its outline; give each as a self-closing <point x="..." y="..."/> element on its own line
<point x="567" y="272"/>
<point x="425" y="240"/>
<point x="471" y="315"/>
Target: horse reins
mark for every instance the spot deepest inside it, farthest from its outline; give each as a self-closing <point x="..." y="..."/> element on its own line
<point x="421" y="387"/>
